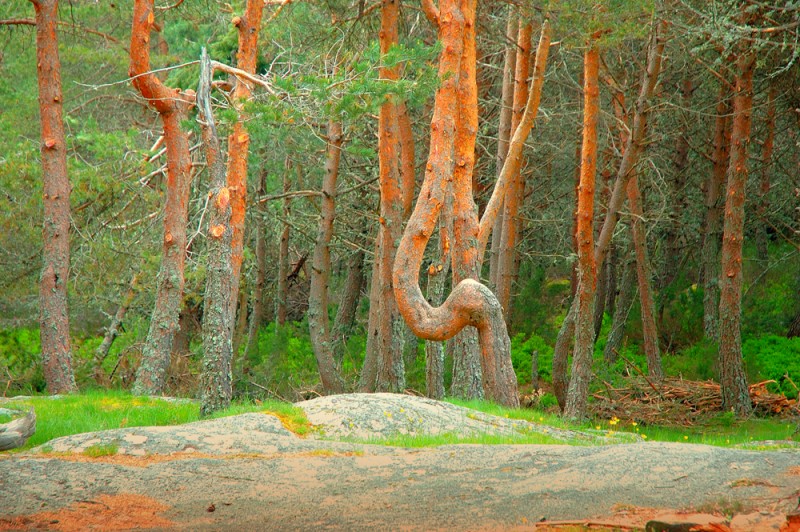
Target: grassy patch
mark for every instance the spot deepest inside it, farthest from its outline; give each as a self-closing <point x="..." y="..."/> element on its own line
<point x="102" y="410"/>
<point x="96" y="451"/>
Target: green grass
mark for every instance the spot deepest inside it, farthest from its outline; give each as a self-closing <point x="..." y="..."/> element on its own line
<point x="101" y="410"/>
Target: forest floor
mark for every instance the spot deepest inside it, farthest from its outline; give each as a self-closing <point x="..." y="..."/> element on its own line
<point x="248" y="472"/>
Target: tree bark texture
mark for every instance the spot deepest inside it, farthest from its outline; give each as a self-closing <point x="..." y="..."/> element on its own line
<point x="389" y="369"/>
<point x="516" y="188"/>
<point x="712" y="224"/>
<point x="215" y="380"/>
<point x="513" y="159"/>
<point x="464" y="347"/>
<point x="348" y="306"/>
<point x="504" y="132"/>
<point x="630" y="159"/>
<point x="172" y="106"/>
<point x="248" y="26"/>
<point x="578" y="389"/>
<point x="434" y="351"/>
<point x="318" y="322"/>
<point x="53" y="306"/>
<point x="470" y="303"/>
<point x="733" y="381"/>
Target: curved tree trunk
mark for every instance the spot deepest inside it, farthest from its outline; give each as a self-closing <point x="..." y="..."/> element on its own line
<point x="53" y="307"/>
<point x="318" y="322"/>
<point x="172" y="106"/>
<point x="578" y="389"/>
<point x="470" y="303"/>
<point x="735" y="394"/>
<point x="248" y="26"/>
<point x="215" y="380"/>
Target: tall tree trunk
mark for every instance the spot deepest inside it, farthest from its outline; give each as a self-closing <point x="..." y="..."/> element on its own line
<point x="318" y="322"/>
<point x="259" y="290"/>
<point x="504" y="132"/>
<point x="390" y="375"/>
<point x="712" y="224"/>
<point x="649" y="329"/>
<point x="584" y="324"/>
<point x="467" y="371"/>
<point x="470" y="303"/>
<point x="282" y="291"/>
<point x="248" y="26"/>
<point x="437" y="278"/>
<point x="516" y="189"/>
<point x="735" y="394"/>
<point x="53" y="307"/>
<point x="627" y="292"/>
<point x="215" y="380"/>
<point x="630" y="159"/>
<point x="172" y="106"/>
<point x="766" y="170"/>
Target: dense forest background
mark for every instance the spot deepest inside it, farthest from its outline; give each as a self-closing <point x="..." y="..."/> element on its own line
<point x="323" y="64"/>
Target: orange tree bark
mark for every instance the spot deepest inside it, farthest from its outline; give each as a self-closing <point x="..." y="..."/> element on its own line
<point x="504" y="132"/>
<point x="464" y="347"/>
<point x="630" y="159"/>
<point x="712" y="223"/>
<point x="248" y="25"/>
<point x="470" y="302"/>
<point x="53" y="308"/>
<point x="733" y="381"/>
<point x="383" y="365"/>
<point x="513" y="159"/>
<point x="172" y="106"/>
<point x="584" y="322"/>
<point x="318" y="322"/>
<point x="516" y="188"/>
<point x="215" y="379"/>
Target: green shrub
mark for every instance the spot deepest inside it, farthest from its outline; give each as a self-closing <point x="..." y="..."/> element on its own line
<point x="521" y="350"/>
<point x="697" y="362"/>
<point x="20" y="364"/>
<point x="773" y="357"/>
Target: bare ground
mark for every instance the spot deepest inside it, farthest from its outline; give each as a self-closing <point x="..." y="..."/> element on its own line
<point x="249" y="473"/>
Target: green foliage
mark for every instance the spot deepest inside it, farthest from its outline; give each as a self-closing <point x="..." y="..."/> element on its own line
<point x="695" y="362"/>
<point x="521" y="350"/>
<point x="774" y="357"/>
<point x="20" y="366"/>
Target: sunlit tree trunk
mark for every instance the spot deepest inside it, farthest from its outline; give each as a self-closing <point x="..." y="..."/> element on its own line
<point x="467" y="371"/>
<point x="172" y="106"/>
<point x="53" y="308"/>
<point x="215" y="379"/>
<point x="630" y="159"/>
<point x="712" y="224"/>
<point x="470" y="303"/>
<point x="248" y="26"/>
<point x="735" y="394"/>
<point x="514" y="196"/>
<point x="318" y="322"/>
<point x="584" y="324"/>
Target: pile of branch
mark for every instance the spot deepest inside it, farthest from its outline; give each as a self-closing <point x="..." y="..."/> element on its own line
<point x="681" y="401"/>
